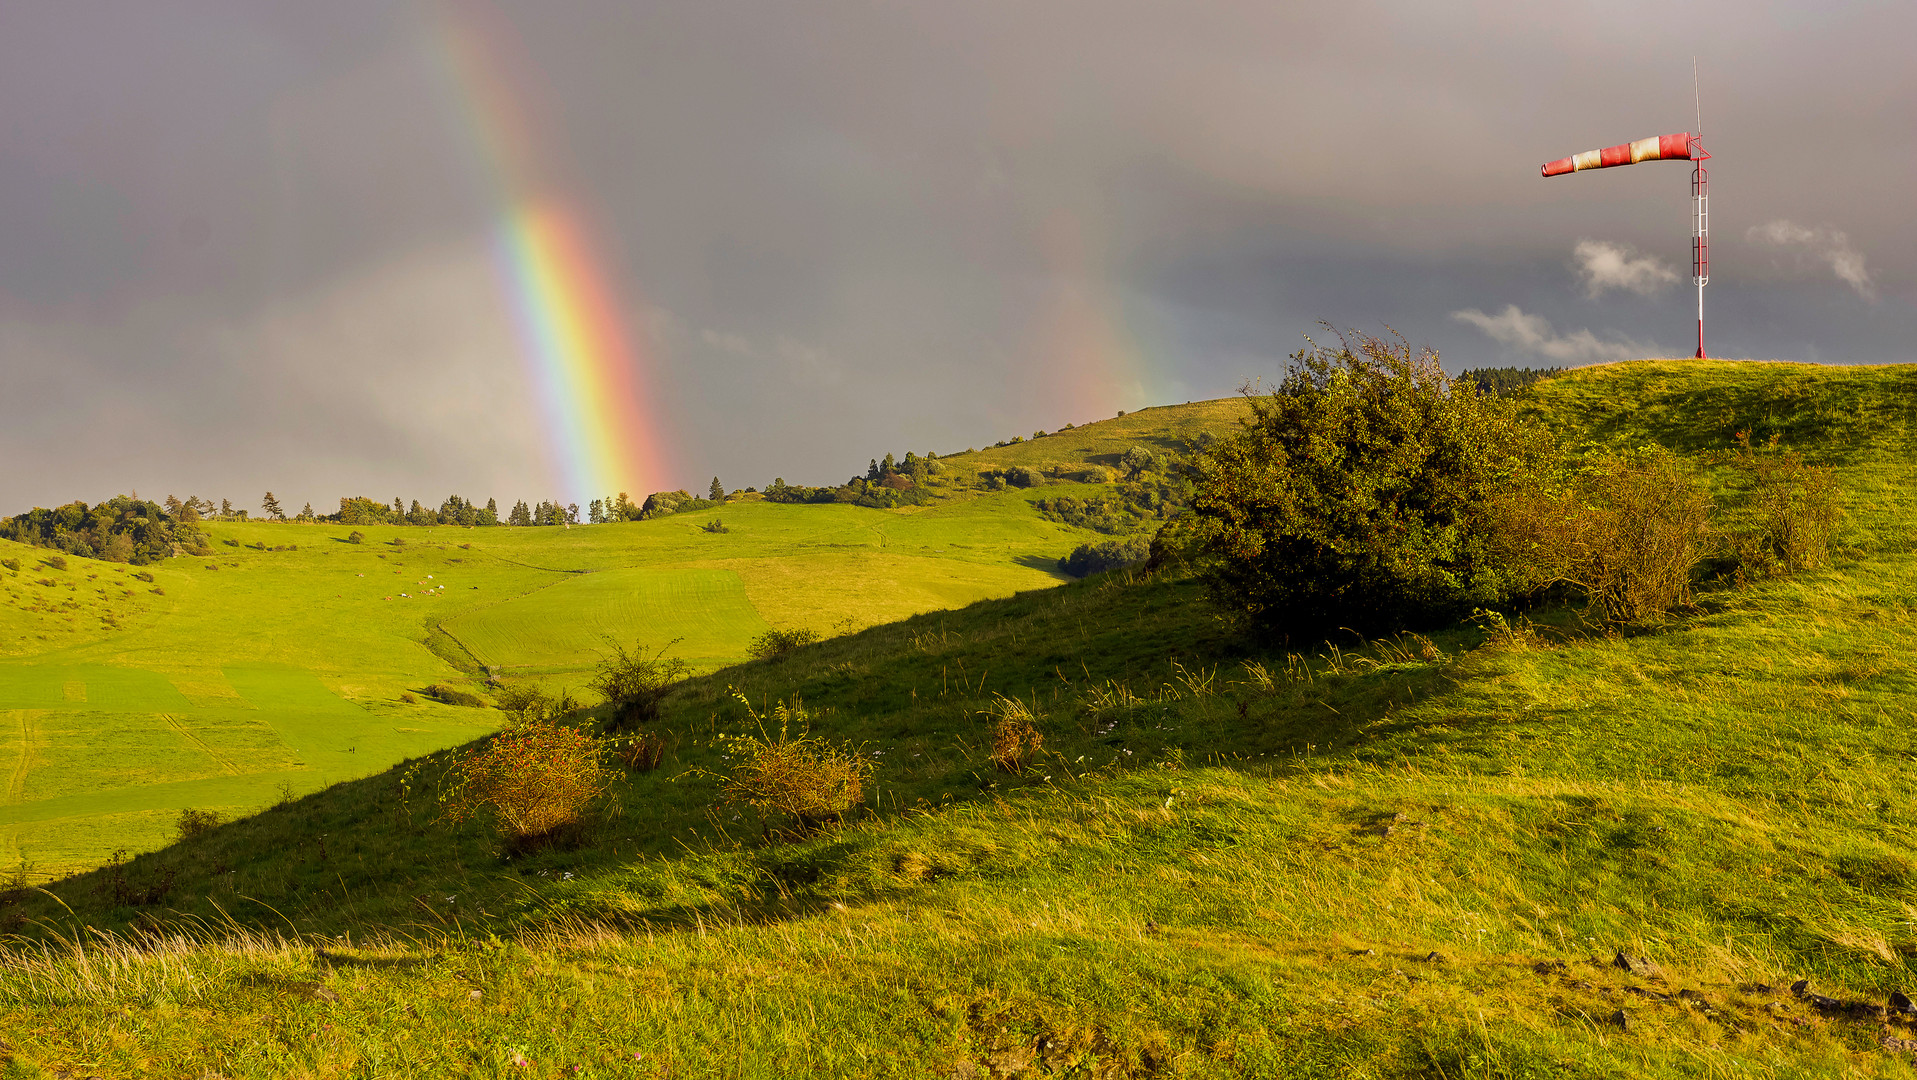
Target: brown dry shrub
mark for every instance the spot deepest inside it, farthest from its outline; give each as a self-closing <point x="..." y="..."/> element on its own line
<point x="1629" y="532"/>
<point x="640" y="753"/>
<point x="535" y="779"/>
<point x="636" y="684"/>
<point x="528" y="703"/>
<point x="192" y="823"/>
<point x="1795" y="506"/>
<point x="1015" y="735"/>
<point x="800" y="777"/>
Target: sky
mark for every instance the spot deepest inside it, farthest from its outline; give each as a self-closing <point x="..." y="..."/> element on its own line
<point x="252" y="246"/>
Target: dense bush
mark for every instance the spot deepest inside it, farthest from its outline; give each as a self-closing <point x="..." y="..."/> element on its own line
<point x="779" y="642"/>
<point x="1138" y="461"/>
<point x="1356" y="494"/>
<point x="1021" y="476"/>
<point x="799" y="778"/>
<point x="635" y="684"/>
<point x="1087" y="559"/>
<point x="533" y="779"/>
<point x="453" y="695"/>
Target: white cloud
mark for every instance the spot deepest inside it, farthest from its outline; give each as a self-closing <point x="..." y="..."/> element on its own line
<point x="1605" y="265"/>
<point x="1534" y="334"/>
<point x="1828" y="246"/>
<point x="727" y="341"/>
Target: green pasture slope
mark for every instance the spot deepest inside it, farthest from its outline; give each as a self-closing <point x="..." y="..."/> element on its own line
<point x="232" y="681"/>
<point x="1378" y="860"/>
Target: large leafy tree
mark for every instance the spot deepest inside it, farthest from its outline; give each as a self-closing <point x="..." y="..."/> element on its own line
<point x="1361" y="494"/>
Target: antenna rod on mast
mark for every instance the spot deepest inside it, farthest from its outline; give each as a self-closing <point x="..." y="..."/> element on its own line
<point x="1700" y="211"/>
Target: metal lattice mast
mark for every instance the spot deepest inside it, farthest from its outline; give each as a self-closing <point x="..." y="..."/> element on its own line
<point x="1700" y="234"/>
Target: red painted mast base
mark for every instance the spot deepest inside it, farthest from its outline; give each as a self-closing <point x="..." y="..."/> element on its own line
<point x="1700" y="342"/>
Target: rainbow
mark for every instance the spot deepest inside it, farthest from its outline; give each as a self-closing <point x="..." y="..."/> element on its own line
<point x="586" y="363"/>
<point x="1091" y="361"/>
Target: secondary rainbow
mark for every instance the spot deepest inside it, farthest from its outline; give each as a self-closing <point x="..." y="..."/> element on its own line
<point x="587" y="364"/>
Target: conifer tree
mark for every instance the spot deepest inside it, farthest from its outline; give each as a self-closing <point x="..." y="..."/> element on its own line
<point x="718" y="493"/>
<point x="272" y="507"/>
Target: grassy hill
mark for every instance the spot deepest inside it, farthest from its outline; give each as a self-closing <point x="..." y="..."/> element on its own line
<point x="1405" y="858"/>
<point x="291" y="659"/>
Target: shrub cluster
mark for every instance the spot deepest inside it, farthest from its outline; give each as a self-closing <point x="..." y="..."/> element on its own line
<point x="1131" y="505"/>
<point x="1087" y="559"/>
<point x="635" y="684"/>
<point x="779" y="642"/>
<point x="453" y="695"/>
<point x="1369" y="492"/>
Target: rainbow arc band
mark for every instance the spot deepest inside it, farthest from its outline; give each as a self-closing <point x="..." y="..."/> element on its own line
<point x="1682" y="146"/>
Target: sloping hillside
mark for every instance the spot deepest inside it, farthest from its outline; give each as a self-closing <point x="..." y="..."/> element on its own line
<point x="1405" y="858"/>
<point x="124" y="690"/>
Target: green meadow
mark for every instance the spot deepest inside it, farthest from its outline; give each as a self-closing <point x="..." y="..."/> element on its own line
<point x="292" y="659"/>
<point x="1561" y="849"/>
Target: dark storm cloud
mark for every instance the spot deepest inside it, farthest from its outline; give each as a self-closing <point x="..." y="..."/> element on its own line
<point x="245" y="246"/>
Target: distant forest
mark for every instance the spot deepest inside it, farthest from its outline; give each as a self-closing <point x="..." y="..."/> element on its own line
<point x="1506" y="380"/>
<point x="123" y="529"/>
<point x="1145" y="488"/>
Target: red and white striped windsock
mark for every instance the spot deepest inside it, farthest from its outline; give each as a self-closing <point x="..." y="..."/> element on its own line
<point x="1657" y="148"/>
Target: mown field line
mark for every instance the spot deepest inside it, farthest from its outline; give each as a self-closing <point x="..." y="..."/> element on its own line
<point x="468" y="649"/>
<point x="529" y="566"/>
<point x="17" y="783"/>
<point x="173" y="722"/>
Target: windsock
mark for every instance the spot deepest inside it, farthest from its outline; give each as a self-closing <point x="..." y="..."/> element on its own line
<point x="1658" y="148"/>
